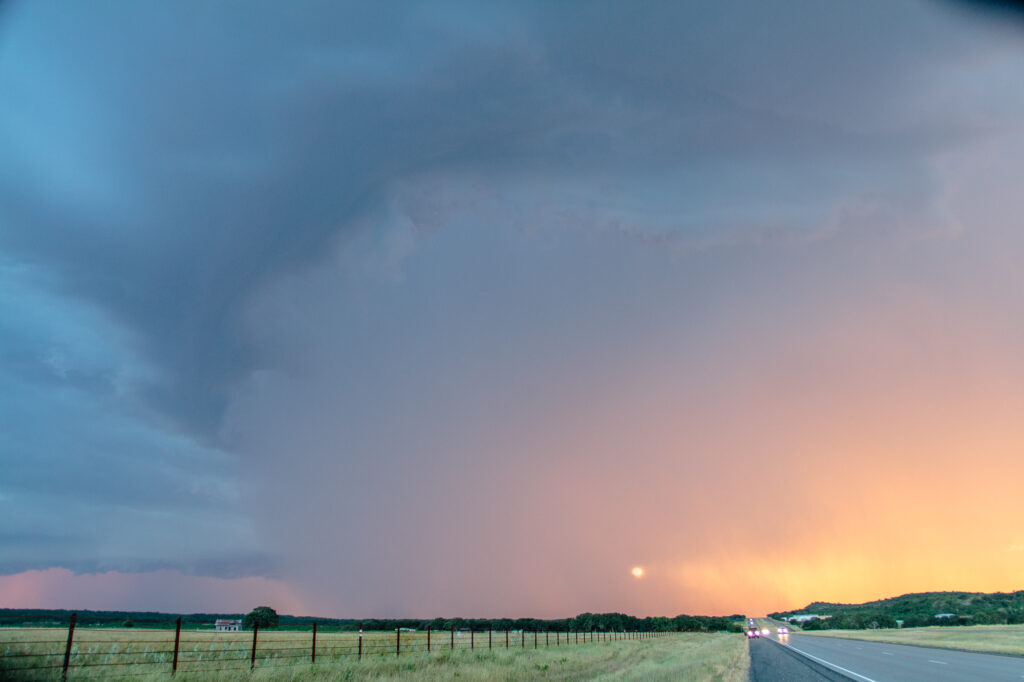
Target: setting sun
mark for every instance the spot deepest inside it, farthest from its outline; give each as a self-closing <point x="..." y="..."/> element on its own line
<point x="638" y="572"/>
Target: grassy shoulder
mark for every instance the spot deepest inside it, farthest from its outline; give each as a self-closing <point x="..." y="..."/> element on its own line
<point x="718" y="657"/>
<point x="1004" y="639"/>
<point x="691" y="656"/>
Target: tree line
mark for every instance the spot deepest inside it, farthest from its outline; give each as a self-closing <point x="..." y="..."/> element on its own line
<point x="584" y="622"/>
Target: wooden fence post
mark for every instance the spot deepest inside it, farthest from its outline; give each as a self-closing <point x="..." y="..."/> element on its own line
<point x="252" y="660"/>
<point x="67" y="649"/>
<point x="453" y="639"/>
<point x="314" y="642"/>
<point x="398" y="641"/>
<point x="177" y="642"/>
<point x="428" y="639"/>
<point x="360" y="656"/>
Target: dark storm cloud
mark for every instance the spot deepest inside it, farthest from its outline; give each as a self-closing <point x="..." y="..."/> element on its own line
<point x="997" y="9"/>
<point x="163" y="170"/>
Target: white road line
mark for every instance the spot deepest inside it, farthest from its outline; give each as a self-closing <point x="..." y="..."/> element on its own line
<point x="887" y="653"/>
<point x="833" y="665"/>
<point x="940" y="662"/>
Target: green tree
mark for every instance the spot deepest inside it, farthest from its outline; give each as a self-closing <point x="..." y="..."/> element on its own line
<point x="263" y="616"/>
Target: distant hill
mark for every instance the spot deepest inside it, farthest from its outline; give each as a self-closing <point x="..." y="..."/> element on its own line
<point x="914" y="610"/>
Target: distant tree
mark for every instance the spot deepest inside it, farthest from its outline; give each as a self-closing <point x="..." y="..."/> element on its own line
<point x="264" y="616"/>
<point x="987" y="618"/>
<point x="128" y="623"/>
<point x="524" y="624"/>
<point x="684" y="622"/>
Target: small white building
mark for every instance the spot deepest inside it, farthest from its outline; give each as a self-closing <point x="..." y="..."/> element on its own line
<point x="804" y="617"/>
<point x="227" y="625"/>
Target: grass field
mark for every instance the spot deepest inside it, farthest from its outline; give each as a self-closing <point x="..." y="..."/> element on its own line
<point x="110" y="654"/>
<point x="1005" y="639"/>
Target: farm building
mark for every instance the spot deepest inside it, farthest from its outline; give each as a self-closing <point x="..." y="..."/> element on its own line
<point x="228" y="625"/>
<point x="804" y="617"/>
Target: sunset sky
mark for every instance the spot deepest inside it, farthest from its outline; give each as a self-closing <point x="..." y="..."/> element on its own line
<point x="425" y="309"/>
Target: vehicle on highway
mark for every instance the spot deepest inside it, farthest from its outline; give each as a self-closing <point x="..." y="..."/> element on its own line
<point x="783" y="631"/>
<point x="753" y="632"/>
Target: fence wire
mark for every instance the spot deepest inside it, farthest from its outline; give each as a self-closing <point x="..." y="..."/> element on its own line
<point x="93" y="653"/>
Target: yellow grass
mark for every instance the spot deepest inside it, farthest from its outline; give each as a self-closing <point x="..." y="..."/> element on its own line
<point x="1006" y="639"/>
<point x="285" y="656"/>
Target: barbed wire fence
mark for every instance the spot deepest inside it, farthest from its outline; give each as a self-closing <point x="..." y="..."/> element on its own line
<point x="91" y="652"/>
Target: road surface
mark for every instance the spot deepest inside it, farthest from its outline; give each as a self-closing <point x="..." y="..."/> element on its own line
<point x="880" y="662"/>
<point x="770" y="662"/>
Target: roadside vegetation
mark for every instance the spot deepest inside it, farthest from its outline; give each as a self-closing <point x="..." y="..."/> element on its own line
<point x="688" y="656"/>
<point x="210" y="657"/>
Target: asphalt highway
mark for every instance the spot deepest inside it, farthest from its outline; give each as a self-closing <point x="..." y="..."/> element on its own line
<point x="770" y="662"/>
<point x="879" y="662"/>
